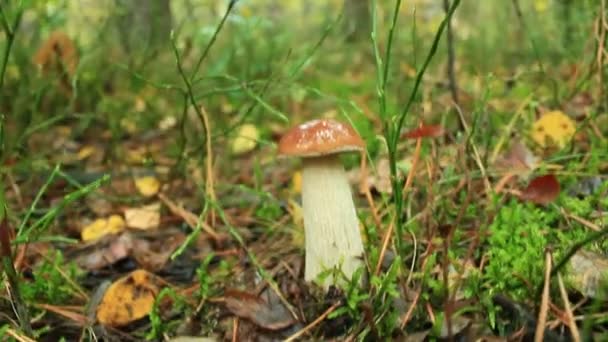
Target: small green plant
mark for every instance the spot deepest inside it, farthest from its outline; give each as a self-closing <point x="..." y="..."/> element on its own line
<point x="207" y="280"/>
<point x="386" y="291"/>
<point x="518" y="238"/>
<point x="159" y="327"/>
<point x="53" y="279"/>
<point x="354" y="295"/>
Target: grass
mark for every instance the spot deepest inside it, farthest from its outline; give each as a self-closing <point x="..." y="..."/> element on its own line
<point x="441" y="245"/>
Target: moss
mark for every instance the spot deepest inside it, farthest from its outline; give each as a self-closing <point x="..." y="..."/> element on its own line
<point x="518" y="238"/>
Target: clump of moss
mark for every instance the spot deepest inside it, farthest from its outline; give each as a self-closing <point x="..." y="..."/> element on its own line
<point x="49" y="283"/>
<point x="516" y="245"/>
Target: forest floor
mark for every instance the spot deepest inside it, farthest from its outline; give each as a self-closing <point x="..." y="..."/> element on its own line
<point x="145" y="199"/>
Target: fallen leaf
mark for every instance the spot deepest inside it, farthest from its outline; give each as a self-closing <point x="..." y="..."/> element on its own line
<point x="128" y="299"/>
<point x="146" y="217"/>
<point x="430" y="131"/>
<point x="580" y="105"/>
<point x="150" y="251"/>
<point x="85" y="152"/>
<point x="100" y="227"/>
<point x="297" y="215"/>
<point x="542" y="190"/>
<point x="518" y="158"/>
<point x="147" y="186"/>
<point x="296" y="183"/>
<point x="459" y="324"/>
<point x="245" y="139"/>
<point x="271" y="316"/>
<point x="106" y="254"/>
<point x="588" y="274"/>
<point x="167" y="123"/>
<point x="553" y="129"/>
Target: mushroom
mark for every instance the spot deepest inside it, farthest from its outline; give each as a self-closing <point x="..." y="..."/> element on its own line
<point x="330" y="221"/>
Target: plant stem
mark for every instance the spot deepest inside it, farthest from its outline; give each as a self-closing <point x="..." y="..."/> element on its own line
<point x="451" y="57"/>
<point x="9" y="269"/>
<point x="392" y="127"/>
<point x="10" y="32"/>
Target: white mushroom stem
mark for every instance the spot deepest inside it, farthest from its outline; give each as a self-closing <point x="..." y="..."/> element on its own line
<point x="330" y="220"/>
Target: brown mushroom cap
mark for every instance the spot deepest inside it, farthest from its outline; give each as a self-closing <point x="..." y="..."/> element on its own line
<point x="320" y="137"/>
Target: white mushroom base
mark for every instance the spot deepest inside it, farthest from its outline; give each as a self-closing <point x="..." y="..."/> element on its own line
<point x="330" y="220"/>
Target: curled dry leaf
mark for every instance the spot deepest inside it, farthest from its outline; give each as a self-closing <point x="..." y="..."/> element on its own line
<point x="106" y="254"/>
<point x="518" y="158"/>
<point x="128" y="299"/>
<point x="542" y="190"/>
<point x="589" y="274"/>
<point x="424" y="131"/>
<point x="271" y="315"/>
<point x="146" y="217"/>
<point x="149" y="253"/>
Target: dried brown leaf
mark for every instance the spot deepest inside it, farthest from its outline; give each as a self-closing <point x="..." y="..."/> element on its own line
<point x="265" y="315"/>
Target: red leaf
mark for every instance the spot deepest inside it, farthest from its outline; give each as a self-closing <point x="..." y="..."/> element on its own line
<point x="430" y="131"/>
<point x="542" y="190"/>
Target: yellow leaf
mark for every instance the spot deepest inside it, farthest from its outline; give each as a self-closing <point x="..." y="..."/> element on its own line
<point x="147" y="186"/>
<point x="140" y="104"/>
<point x="245" y="140"/>
<point x="298" y="219"/>
<point x="296" y="182"/>
<point x="128" y="299"/>
<point x="100" y="227"/>
<point x="553" y="129"/>
<point x="146" y="217"/>
<point x="167" y="123"/>
<point x="85" y="152"/>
